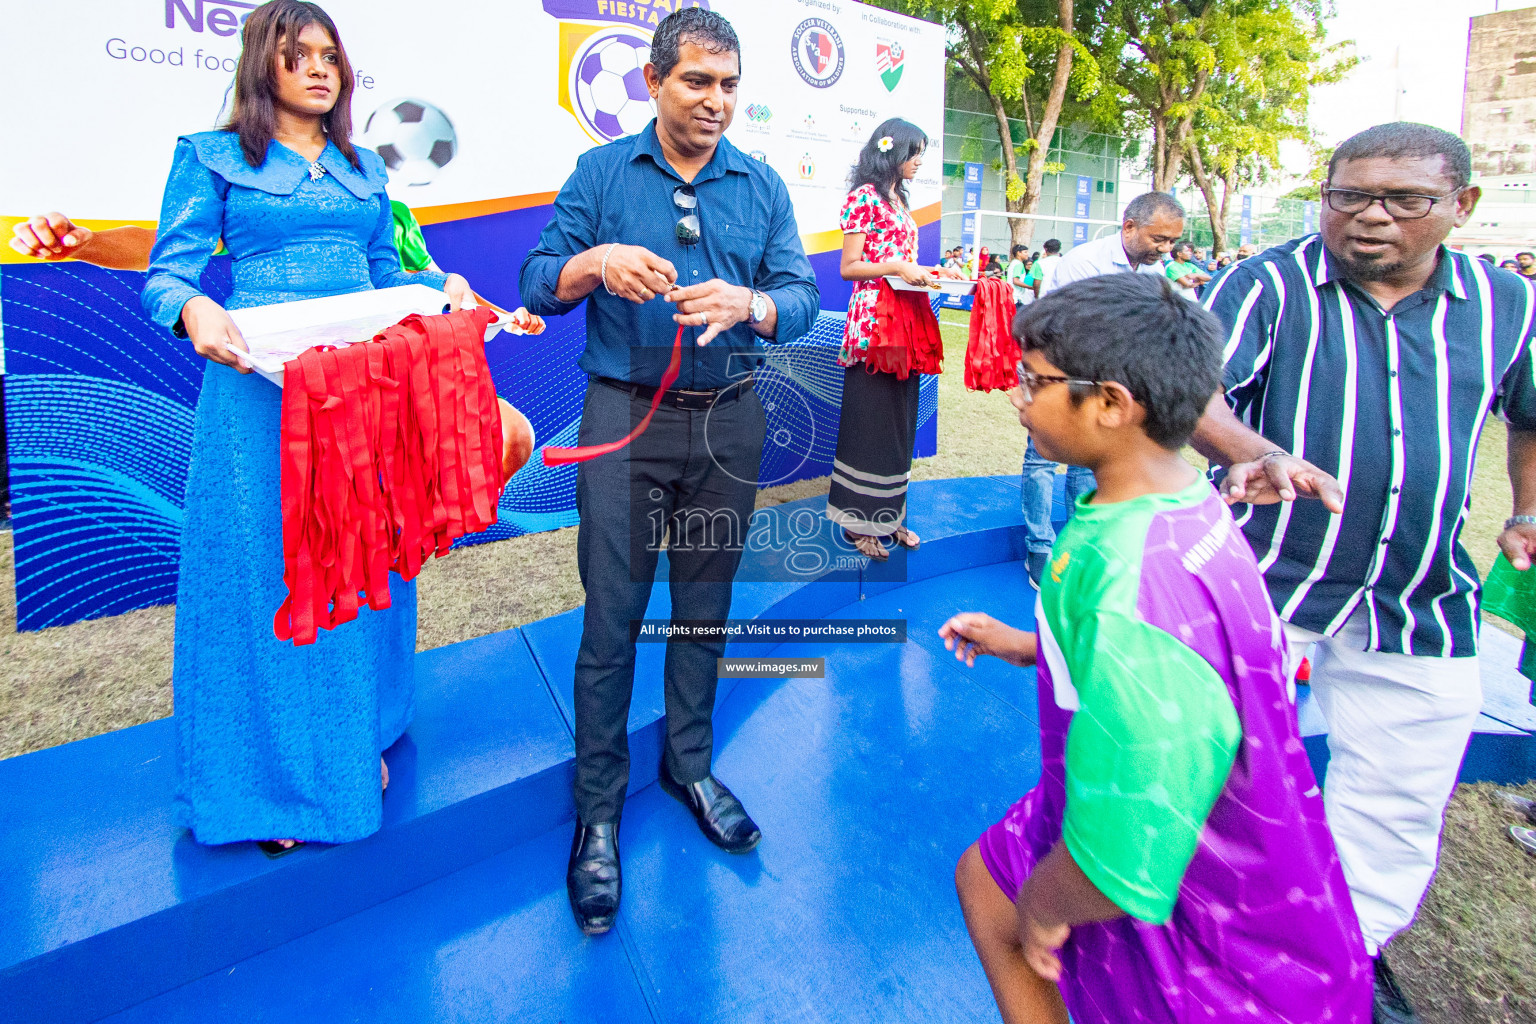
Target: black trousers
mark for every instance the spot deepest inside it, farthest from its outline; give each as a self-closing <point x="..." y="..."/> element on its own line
<point x="876" y="433"/>
<point x="691" y="480"/>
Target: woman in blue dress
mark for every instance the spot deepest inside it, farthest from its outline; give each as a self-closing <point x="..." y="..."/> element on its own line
<point x="276" y="743"/>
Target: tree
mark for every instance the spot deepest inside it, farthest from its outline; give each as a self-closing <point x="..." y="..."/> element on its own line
<point x="1015" y="52"/>
<point x="1257" y="101"/>
<point x="1174" y="59"/>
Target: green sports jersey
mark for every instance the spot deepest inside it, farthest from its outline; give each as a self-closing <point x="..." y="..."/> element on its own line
<point x="1154" y="732"/>
<point x="1177" y="270"/>
<point x="408" y="240"/>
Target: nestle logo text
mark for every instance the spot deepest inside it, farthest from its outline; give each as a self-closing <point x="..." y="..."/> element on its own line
<point x="221" y="16"/>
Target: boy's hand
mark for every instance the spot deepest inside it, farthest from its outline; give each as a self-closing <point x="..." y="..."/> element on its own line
<point x="1042" y="941"/>
<point x="970" y="634"/>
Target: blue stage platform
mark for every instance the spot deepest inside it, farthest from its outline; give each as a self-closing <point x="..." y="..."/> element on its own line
<point x="868" y="785"/>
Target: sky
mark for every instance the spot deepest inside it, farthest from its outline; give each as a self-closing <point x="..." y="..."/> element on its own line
<point x="1421" y="44"/>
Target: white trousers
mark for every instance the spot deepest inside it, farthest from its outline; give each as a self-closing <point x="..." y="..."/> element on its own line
<point x="1398" y="726"/>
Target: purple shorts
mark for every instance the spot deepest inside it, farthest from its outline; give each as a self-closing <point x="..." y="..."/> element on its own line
<point x="1006" y="848"/>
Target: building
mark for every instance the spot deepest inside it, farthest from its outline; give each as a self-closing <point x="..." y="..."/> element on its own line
<point x="1498" y="120"/>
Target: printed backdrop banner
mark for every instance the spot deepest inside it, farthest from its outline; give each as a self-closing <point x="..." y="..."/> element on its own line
<point x="480" y="111"/>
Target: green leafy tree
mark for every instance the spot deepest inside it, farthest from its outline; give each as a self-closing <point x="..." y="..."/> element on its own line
<point x="1176" y="59"/>
<point x="1019" y="54"/>
<point x="1255" y="103"/>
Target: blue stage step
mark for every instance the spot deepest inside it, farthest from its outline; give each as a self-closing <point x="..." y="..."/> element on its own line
<point x="108" y="905"/>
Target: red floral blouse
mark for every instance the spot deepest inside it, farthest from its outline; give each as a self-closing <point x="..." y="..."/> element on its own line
<point x="890" y="236"/>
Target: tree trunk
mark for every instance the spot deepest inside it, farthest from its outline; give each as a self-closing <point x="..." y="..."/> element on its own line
<point x="1024" y="229"/>
<point x="1216" y="214"/>
<point x="1016" y="226"/>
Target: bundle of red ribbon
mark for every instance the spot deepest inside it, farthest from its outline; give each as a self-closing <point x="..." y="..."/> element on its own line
<point x="906" y="335"/>
<point x="992" y="354"/>
<point x="391" y="450"/>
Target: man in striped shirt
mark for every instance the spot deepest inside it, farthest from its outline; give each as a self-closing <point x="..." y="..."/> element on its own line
<point x="1361" y="365"/>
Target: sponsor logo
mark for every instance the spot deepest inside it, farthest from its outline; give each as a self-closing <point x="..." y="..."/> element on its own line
<point x="890" y="61"/>
<point x="817" y="51"/>
<point x="759" y="156"/>
<point x="758" y="113"/>
<point x="221" y="17"/>
<point x="807" y="167"/>
<point x="809" y="124"/>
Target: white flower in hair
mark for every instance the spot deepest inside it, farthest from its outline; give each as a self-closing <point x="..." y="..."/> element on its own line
<point x="885" y="144"/>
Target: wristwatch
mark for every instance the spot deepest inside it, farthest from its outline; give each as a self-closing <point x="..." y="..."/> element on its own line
<point x="1519" y="521"/>
<point x="757" y="308"/>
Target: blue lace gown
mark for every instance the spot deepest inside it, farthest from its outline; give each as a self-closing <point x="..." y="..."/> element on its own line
<point x="274" y="741"/>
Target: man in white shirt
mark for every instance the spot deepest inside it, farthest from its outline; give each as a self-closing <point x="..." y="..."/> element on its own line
<point x="1152" y="224"/>
<point x="1042" y="276"/>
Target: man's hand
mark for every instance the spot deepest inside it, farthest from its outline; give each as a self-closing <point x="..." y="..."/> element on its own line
<point x="1280" y="477"/>
<point x="637" y="274"/>
<point x="49" y="236"/>
<point x="213" y="333"/>
<point x="1042" y="940"/>
<point x="1519" y="545"/>
<point x="971" y="634"/>
<point x="714" y="304"/>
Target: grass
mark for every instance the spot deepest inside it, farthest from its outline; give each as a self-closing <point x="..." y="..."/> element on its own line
<point x="1469" y="957"/>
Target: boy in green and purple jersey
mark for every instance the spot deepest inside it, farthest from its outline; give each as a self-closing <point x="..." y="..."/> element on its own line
<point x="1173" y="864"/>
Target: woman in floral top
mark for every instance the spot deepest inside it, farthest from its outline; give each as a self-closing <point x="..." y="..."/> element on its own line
<point x="877" y="427"/>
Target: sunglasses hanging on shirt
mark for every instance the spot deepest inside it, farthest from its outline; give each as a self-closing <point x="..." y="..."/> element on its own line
<point x="688" y="230"/>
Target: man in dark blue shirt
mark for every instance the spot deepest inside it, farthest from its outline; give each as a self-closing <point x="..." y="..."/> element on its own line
<point x="674" y="226"/>
<point x="1362" y="364"/>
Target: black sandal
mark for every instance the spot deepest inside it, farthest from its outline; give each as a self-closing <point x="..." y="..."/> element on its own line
<point x="274" y="849"/>
<point x="879" y="555"/>
<point x="902" y="535"/>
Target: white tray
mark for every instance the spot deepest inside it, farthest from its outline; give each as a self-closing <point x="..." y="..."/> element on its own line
<point x="946" y="285"/>
<point x="277" y="333"/>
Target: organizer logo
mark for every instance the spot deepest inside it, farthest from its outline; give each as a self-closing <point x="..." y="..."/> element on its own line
<point x="758" y="113"/>
<point x="890" y="61"/>
<point x="818" y="54"/>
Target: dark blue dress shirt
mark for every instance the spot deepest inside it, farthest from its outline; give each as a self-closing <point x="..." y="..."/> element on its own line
<point x="1392" y="404"/>
<point x="622" y="192"/>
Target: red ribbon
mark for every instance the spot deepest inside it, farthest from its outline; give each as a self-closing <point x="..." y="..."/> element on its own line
<point x="561" y="456"/>
<point x="905" y="339"/>
<point x="992" y="354"/>
<point x="391" y="450"/>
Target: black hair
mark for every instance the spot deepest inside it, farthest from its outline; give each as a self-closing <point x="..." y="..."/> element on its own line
<point x="695" y="25"/>
<point x="1052" y="246"/>
<point x="1135" y="330"/>
<point x="1488" y="258"/>
<point x="1532" y="255"/>
<point x="1179" y="247"/>
<point x="272" y="31"/>
<point x="1018" y="249"/>
<point x="883" y="169"/>
<point x="1408" y="139"/>
<point x="1149" y="204"/>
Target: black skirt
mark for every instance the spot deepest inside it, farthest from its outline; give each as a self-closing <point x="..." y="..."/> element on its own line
<point x="876" y="432"/>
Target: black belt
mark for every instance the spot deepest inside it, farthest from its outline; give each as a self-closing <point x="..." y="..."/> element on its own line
<point x="681" y="398"/>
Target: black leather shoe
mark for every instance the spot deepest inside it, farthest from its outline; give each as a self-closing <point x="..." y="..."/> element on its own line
<point x="720" y="815"/>
<point x="1390" y="1006"/>
<point x="593" y="879"/>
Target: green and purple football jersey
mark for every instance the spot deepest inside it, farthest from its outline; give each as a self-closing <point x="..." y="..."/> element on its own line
<point x="1173" y="769"/>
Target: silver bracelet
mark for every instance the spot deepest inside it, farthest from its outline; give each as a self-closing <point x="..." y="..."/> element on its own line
<point x="1519" y="521"/>
<point x="604" y="271"/>
<point x="1277" y="453"/>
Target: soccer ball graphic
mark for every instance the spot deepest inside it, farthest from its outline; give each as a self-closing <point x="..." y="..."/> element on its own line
<point x="415" y="139"/>
<point x="609" y="84"/>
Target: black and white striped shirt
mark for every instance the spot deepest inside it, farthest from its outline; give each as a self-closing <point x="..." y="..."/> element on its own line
<point x="1391" y="404"/>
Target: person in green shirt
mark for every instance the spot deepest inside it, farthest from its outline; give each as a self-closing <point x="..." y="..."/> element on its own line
<point x="1017" y="275"/>
<point x="1184" y="272"/>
